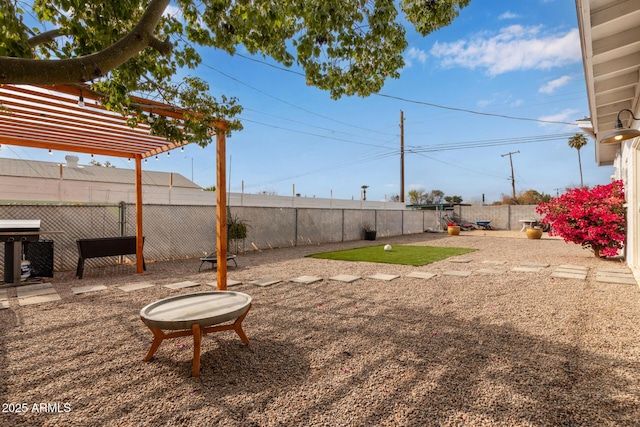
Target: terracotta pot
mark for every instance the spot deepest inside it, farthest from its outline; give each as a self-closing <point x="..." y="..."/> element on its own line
<point x="534" y="233"/>
<point x="453" y="230"/>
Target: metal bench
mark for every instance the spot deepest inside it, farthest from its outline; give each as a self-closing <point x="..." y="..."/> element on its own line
<point x="104" y="247"/>
<point x="213" y="259"/>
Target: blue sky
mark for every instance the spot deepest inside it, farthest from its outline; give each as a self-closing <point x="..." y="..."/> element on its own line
<point x="516" y="59"/>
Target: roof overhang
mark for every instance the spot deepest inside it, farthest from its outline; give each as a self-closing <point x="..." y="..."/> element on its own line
<point x="610" y="38"/>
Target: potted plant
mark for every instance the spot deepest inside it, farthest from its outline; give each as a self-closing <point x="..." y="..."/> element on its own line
<point x="369" y="232"/>
<point x="453" y="229"/>
<point x="534" y="232"/>
<point x="236" y="229"/>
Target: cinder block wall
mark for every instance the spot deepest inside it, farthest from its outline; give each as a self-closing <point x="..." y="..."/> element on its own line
<point x="502" y="217"/>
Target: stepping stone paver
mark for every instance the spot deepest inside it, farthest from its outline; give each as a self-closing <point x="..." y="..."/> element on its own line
<point x="266" y="281"/>
<point x="569" y="267"/>
<point x="565" y="275"/>
<point x="535" y="264"/>
<point x="4" y="299"/>
<point x="35" y="290"/>
<point x="345" y="278"/>
<point x="494" y="262"/>
<point x="380" y="276"/>
<point x="568" y="271"/>
<point x="87" y="289"/>
<point x="229" y="283"/>
<point x="39" y="299"/>
<point x="460" y="260"/>
<point x="181" y="285"/>
<point x="491" y="271"/>
<point x="36" y="294"/>
<point x="456" y="273"/>
<point x="306" y="280"/>
<point x="527" y="269"/>
<point x="421" y="275"/>
<point x="135" y="286"/>
<point x="619" y="280"/>
<point x="614" y="270"/>
<point x="615" y="275"/>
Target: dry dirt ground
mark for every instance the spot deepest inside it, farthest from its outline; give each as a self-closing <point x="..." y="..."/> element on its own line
<point x="491" y="349"/>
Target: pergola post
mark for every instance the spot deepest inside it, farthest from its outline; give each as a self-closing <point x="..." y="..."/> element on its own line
<point x="221" y="210"/>
<point x="139" y="234"/>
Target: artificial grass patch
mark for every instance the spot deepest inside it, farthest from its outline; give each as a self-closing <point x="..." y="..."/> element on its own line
<point x="406" y="255"/>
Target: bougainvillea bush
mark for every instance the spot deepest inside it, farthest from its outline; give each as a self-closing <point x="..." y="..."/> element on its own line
<point x="594" y="218"/>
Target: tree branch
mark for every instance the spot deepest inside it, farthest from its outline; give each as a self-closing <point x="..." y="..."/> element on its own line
<point x="43" y="38"/>
<point x="89" y="67"/>
<point x="162" y="46"/>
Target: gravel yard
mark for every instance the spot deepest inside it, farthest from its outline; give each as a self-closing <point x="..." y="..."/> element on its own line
<point x="511" y="349"/>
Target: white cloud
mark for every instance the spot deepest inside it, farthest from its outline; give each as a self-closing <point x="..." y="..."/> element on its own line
<point x="173" y="11"/>
<point x="500" y="99"/>
<point x="551" y="86"/>
<point x="415" y="54"/>
<point x="508" y="15"/>
<point x="567" y="116"/>
<point x="514" y="48"/>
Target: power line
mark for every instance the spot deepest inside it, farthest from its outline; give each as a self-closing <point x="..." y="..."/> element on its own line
<point x="412" y="101"/>
<point x="291" y="104"/>
<point x="312" y="134"/>
<point x="457" y="165"/>
<point x="490" y="143"/>
<point x="312" y="125"/>
<point x="464" y="110"/>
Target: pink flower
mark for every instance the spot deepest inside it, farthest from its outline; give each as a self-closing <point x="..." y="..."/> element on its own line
<point x="594" y="218"/>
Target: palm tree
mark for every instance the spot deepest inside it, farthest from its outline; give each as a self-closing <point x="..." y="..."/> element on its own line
<point x="578" y="141"/>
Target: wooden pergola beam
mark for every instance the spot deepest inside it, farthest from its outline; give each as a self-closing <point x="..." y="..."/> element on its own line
<point x="49" y="117"/>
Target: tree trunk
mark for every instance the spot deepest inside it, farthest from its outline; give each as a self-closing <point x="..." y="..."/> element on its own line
<point x="580" y="165"/>
<point x="597" y="250"/>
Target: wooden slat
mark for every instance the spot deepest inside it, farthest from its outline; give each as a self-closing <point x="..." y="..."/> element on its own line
<point x="50" y="118"/>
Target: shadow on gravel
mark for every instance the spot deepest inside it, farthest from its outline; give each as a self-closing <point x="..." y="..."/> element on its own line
<point x="315" y="358"/>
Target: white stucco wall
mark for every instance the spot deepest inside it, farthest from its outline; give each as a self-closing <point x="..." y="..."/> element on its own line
<point x="57" y="190"/>
<point x="626" y="164"/>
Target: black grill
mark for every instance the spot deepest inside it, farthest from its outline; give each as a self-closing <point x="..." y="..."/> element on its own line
<point x="12" y="230"/>
<point x="16" y="235"/>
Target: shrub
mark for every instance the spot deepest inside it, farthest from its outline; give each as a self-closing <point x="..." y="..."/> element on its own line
<point x="594" y="218"/>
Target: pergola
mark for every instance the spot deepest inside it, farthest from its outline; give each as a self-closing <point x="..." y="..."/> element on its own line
<point x="71" y="118"/>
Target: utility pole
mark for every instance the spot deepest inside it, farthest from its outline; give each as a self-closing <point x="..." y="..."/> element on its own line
<point x="513" y="179"/>
<point x="402" y="156"/>
<point x="364" y="192"/>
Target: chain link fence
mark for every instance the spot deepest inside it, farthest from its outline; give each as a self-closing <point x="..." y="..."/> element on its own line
<point x="188" y="231"/>
<point x="171" y="232"/>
